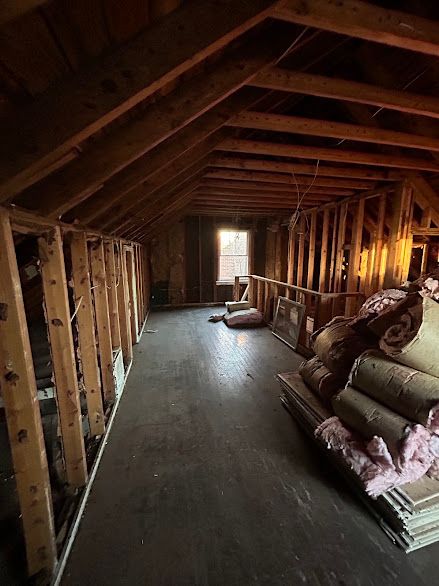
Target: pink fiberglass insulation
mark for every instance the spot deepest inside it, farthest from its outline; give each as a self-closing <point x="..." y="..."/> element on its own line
<point x="244" y="318"/>
<point x="372" y="462"/>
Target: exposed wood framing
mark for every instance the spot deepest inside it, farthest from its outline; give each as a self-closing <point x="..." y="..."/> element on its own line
<point x="131" y="276"/>
<point x="86" y="332"/>
<point x="355" y="255"/>
<point x="324" y="250"/>
<point x="301" y="252"/>
<point x="80" y="107"/>
<point x="63" y="358"/>
<point x="124" y="309"/>
<point x="340" y="247"/>
<point x="312" y="249"/>
<point x="365" y="21"/>
<point x="19" y="393"/>
<point x="97" y="260"/>
<point x="112" y="283"/>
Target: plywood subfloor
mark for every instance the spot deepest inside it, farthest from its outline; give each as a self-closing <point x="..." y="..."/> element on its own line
<point x="206" y="480"/>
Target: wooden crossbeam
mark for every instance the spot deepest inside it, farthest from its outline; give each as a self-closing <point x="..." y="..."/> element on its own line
<point x="304" y="169"/>
<point x="114" y="151"/>
<point x="326" y="154"/>
<point x="365" y="21"/>
<point x="86" y="332"/>
<point x="100" y="294"/>
<point x="19" y="393"/>
<point x="276" y="78"/>
<point x="63" y="357"/>
<point x="81" y="106"/>
<point x="246" y="176"/>
<point x="326" y="128"/>
<point x="264" y="187"/>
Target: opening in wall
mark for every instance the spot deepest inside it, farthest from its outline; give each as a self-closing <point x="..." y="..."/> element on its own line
<point x="233" y="255"/>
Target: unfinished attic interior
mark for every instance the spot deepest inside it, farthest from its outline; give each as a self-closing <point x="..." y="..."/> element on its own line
<point x="219" y="292"/>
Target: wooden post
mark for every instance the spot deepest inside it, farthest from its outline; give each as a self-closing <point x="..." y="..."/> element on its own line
<point x="376" y="280"/>
<point x="251" y="291"/>
<point x="340" y="246"/>
<point x="236" y="289"/>
<point x="131" y="276"/>
<point x="139" y="285"/>
<point x="63" y="357"/>
<point x="102" y="319"/>
<point x="399" y="233"/>
<point x="301" y="253"/>
<point x="291" y="260"/>
<point x="354" y="256"/>
<point x="86" y="332"/>
<point x="124" y="310"/>
<point x="312" y="249"/>
<point x="266" y="301"/>
<point x="111" y="277"/>
<point x="260" y="296"/>
<point x="19" y="392"/>
<point x="331" y="287"/>
<point x="324" y="250"/>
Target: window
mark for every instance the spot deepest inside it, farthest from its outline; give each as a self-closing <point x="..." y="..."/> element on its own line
<point x="233" y="254"/>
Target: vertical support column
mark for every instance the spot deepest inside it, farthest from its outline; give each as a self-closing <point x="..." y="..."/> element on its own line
<point x="340" y="246"/>
<point x="134" y="322"/>
<point x="266" y="301"/>
<point x="124" y="311"/>
<point x="324" y="250"/>
<point x="301" y="252"/>
<point x="86" y="332"/>
<point x="260" y="296"/>
<point x="102" y="319"/>
<point x="400" y="230"/>
<point x="331" y="287"/>
<point x="312" y="249"/>
<point x="354" y="257"/>
<point x="111" y="276"/>
<point x="139" y="287"/>
<point x="63" y="357"/>
<point x="377" y="273"/>
<point x="291" y="260"/>
<point x="19" y="392"/>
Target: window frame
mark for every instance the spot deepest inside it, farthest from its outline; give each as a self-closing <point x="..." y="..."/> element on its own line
<point x="218" y="252"/>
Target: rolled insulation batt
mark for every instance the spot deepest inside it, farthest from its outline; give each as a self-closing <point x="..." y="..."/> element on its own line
<point x="370" y="419"/>
<point x="321" y="380"/>
<point x="409" y="392"/>
<point x="237" y="305"/>
<point x="421" y="351"/>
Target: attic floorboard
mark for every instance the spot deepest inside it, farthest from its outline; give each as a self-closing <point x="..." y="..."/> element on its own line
<point x="206" y="480"/>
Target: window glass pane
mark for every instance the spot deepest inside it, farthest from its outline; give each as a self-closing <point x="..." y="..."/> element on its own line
<point x="233" y="254"/>
<point x="233" y="242"/>
<point x="229" y="266"/>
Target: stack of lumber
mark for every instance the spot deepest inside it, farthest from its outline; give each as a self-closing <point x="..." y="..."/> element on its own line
<point x="409" y="514"/>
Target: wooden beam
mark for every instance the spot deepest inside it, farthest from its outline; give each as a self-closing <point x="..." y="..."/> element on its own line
<point x="377" y="277"/>
<point x="124" y="309"/>
<point x="86" y="332"/>
<point x="312" y="249"/>
<point x="79" y="107"/>
<point x="400" y="229"/>
<point x="286" y="80"/>
<point x="340" y="247"/>
<point x="63" y="357"/>
<point x="162" y="159"/>
<point x="352" y="282"/>
<point x="331" y="287"/>
<point x="264" y="187"/>
<point x="19" y="393"/>
<point x="326" y="128"/>
<point x="301" y="251"/>
<point x="131" y="276"/>
<point x="12" y="9"/>
<point x="283" y="178"/>
<point x="326" y="154"/>
<point x="114" y="151"/>
<point x="100" y="294"/>
<point x="305" y="169"/>
<point x="364" y="21"/>
<point x="324" y="250"/>
<point x="421" y="185"/>
<point x="112" y="282"/>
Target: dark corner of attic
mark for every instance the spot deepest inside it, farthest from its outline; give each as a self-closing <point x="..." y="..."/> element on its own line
<point x="219" y="292"/>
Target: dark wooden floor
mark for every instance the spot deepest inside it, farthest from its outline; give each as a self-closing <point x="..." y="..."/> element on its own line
<point x="206" y="480"/>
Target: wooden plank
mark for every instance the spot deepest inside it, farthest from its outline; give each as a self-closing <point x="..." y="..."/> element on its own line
<point x="304" y="169"/>
<point x="324" y="251"/>
<point x="139" y="287"/>
<point x="112" y="152"/>
<point x="326" y="154"/>
<point x="377" y="277"/>
<point x="364" y="21"/>
<point x="326" y="128"/>
<point x="301" y="251"/>
<point x="291" y="259"/>
<point x="259" y="176"/>
<point x="19" y="393"/>
<point x="312" y="249"/>
<point x="131" y="276"/>
<point x="63" y="357"/>
<point x="112" y="277"/>
<point x="340" y="246"/>
<point x="270" y="187"/>
<point x="333" y="250"/>
<point x="100" y="294"/>
<point x="124" y="309"/>
<point x="401" y="203"/>
<point x="355" y="256"/>
<point x="276" y="78"/>
<point x="86" y="332"/>
<point x="81" y="106"/>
